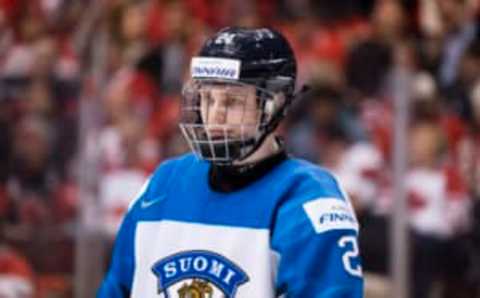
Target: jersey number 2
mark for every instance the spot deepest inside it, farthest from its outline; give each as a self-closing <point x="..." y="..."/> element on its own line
<point x="349" y="255"/>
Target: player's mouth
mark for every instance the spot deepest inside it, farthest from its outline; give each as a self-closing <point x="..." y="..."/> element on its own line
<point x="221" y="136"/>
<point x="218" y="133"/>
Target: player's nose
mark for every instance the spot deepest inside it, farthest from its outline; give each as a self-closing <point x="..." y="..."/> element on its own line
<point x="219" y="112"/>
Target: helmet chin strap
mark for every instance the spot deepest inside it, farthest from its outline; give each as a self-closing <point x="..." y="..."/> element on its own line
<point x="247" y="165"/>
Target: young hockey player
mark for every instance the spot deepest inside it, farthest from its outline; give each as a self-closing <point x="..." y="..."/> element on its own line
<point x="238" y="217"/>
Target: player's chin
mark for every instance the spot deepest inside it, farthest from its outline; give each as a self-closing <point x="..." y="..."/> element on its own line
<point x="221" y="134"/>
<point x="222" y="138"/>
<point x="227" y="138"/>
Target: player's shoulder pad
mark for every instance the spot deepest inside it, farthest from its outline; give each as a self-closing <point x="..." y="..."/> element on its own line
<point x="161" y="176"/>
<point x="311" y="180"/>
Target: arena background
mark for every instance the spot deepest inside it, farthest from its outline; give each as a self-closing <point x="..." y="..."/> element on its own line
<point x="89" y="98"/>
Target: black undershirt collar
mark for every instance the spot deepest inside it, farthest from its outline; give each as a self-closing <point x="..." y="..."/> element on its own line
<point x="232" y="178"/>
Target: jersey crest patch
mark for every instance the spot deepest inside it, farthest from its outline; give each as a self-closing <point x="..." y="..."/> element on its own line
<point x="330" y="214"/>
<point x="199" y="274"/>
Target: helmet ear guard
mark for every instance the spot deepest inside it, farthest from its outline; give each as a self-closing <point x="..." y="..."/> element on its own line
<point x="269" y="109"/>
<point x="277" y="107"/>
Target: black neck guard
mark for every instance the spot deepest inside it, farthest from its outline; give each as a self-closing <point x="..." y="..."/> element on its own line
<point x="231" y="178"/>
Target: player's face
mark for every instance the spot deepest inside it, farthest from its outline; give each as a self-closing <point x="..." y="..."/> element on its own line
<point x="229" y="110"/>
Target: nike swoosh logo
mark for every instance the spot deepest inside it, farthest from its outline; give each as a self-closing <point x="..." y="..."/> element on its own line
<point x="148" y="203"/>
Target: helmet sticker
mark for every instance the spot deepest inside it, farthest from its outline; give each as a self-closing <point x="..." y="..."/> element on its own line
<point x="216" y="68"/>
<point x="224" y="38"/>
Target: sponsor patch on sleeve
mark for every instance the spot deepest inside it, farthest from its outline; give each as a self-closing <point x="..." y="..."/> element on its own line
<point x="330" y="214"/>
<point x="217" y="68"/>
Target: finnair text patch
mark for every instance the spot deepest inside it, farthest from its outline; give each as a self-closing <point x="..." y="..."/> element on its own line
<point x="330" y="214"/>
<point x="218" y="68"/>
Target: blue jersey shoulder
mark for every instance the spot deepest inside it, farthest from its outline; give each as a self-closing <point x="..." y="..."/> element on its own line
<point x="164" y="174"/>
<point x="310" y="181"/>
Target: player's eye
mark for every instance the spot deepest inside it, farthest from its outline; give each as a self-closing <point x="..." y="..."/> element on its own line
<point x="233" y="100"/>
<point x="207" y="97"/>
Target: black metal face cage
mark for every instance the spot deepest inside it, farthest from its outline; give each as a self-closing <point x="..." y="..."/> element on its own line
<point x="256" y="112"/>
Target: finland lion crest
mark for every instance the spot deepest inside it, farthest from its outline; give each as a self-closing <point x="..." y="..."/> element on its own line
<point x="198" y="274"/>
<point x="197" y="289"/>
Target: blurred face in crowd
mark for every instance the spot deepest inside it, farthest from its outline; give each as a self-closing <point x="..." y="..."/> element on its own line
<point x="46" y="54"/>
<point x="31" y="142"/>
<point x="470" y="65"/>
<point x="229" y="110"/>
<point x="455" y="12"/>
<point x="425" y="145"/>
<point x="134" y="22"/>
<point x="389" y="19"/>
<point x="31" y="26"/>
<point x="176" y="19"/>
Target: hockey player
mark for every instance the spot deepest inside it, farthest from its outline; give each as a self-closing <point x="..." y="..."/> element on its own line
<point x="238" y="217"/>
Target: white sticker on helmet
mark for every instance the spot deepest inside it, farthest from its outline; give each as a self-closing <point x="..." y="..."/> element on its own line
<point x="217" y="68"/>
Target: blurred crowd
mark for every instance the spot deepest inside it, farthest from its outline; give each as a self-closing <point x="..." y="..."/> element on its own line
<point x="349" y="51"/>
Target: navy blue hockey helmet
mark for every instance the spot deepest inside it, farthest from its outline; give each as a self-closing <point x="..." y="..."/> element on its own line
<point x="267" y="59"/>
<point x="237" y="61"/>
